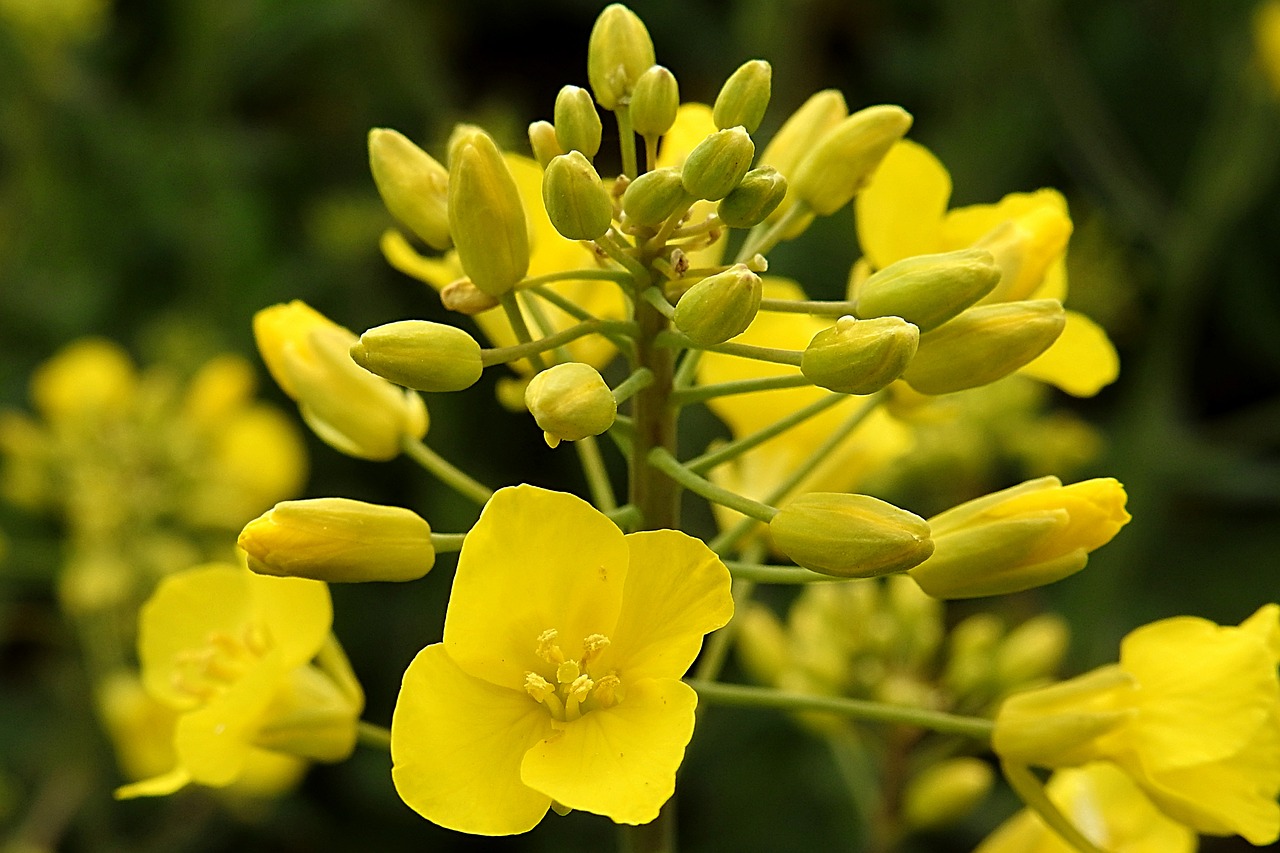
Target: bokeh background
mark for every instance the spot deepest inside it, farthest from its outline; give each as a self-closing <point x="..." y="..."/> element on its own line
<point x="167" y="167"/>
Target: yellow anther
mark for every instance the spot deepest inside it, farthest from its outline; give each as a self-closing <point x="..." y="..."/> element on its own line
<point x="256" y="639"/>
<point x="608" y="691"/>
<point x="568" y="672"/>
<point x="547" y="648"/>
<point x="592" y="646"/>
<point x="581" y="687"/>
<point x="537" y="686"/>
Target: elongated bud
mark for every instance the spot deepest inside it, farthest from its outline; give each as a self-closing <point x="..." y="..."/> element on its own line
<point x="754" y="198"/>
<point x="984" y="344"/>
<point x="860" y="356"/>
<point x="850" y="536"/>
<point x="461" y="135"/>
<point x="652" y="197"/>
<point x="420" y="354"/>
<point x="576" y="201"/>
<point x="744" y="97"/>
<point x="946" y="793"/>
<point x="413" y="186"/>
<point x="654" y="102"/>
<point x="338" y="540"/>
<point x="798" y="135"/>
<point x="840" y="165"/>
<point x="485" y="215"/>
<point x="542" y="139"/>
<point x="717" y="164"/>
<point x="578" y="125"/>
<point x="570" y="401"/>
<point x="720" y="306"/>
<point x="928" y="290"/>
<point x="618" y="52"/>
<point x="1032" y="652"/>
<point x="1022" y="537"/>
<point x="465" y="298"/>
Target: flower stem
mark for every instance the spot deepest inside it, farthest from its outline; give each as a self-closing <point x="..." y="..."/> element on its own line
<point x="773" y="355"/>
<point x="633" y="384"/>
<point x="702" y="393"/>
<point x="573" y="275"/>
<point x="662" y="459"/>
<point x="516" y="318"/>
<point x="807" y="306"/>
<point x="447" y="543"/>
<point x="373" y="736"/>
<point x="446" y="472"/>
<point x="1032" y="792"/>
<point x="707" y="461"/>
<point x="597" y="475"/>
<point x="760" y="242"/>
<point x="626" y="140"/>
<point x="762" y="573"/>
<point x="503" y="355"/>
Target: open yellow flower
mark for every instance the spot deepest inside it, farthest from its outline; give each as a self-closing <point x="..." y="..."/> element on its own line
<point x="1191" y="713"/>
<point x="231" y="653"/>
<point x="558" y="680"/>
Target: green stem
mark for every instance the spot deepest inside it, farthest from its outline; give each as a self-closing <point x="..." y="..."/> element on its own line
<point x="759" y="243"/>
<point x="807" y="306"/>
<point x="516" y="318"/>
<point x="447" y="543"/>
<point x="446" y="472"/>
<point x="373" y="736"/>
<point x="710" y="223"/>
<point x="688" y="370"/>
<point x="597" y="475"/>
<point x="627" y="517"/>
<point x="626" y="140"/>
<point x="702" y="393"/>
<point x="773" y="355"/>
<point x="573" y="275"/>
<point x="633" y="384"/>
<point x="762" y="573"/>
<point x="672" y="222"/>
<point x="708" y="461"/>
<point x="616" y="249"/>
<point x="1032" y="792"/>
<point x="654" y="297"/>
<point x="504" y="355"/>
<point x="664" y="461"/>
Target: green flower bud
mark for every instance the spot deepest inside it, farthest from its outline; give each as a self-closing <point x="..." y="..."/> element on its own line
<point x="462" y="134"/>
<point x="984" y="344"/>
<point x="570" y="401"/>
<point x="717" y="164"/>
<point x="618" y="52"/>
<point x="652" y="197"/>
<point x="421" y="355"/>
<point x="928" y="290"/>
<point x="720" y="306"/>
<point x="744" y="96"/>
<point x="413" y="186"/>
<point x="542" y="139"/>
<point x="337" y="540"/>
<point x="1032" y="652"/>
<point x="758" y="195"/>
<point x="576" y="201"/>
<point x="860" y="356"/>
<point x="578" y="125"/>
<point x="465" y="298"/>
<point x="946" y="793"/>
<point x="846" y="157"/>
<point x="850" y="536"/>
<point x="485" y="215"/>
<point x="654" y="102"/>
<point x="798" y="135"/>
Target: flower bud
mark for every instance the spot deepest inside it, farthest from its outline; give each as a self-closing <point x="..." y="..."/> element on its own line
<point x="946" y="793"/>
<point x="744" y="96"/>
<point x="652" y="197"/>
<point x="578" y="125"/>
<point x="465" y="298"/>
<point x="1022" y="537"/>
<point x="654" y="102"/>
<point x="860" y="356"/>
<point x="720" y="306"/>
<point x="984" y="344"/>
<point x="421" y="355"/>
<point x="618" y="52"/>
<point x="542" y="139"/>
<point x="850" y="536"/>
<point x="486" y="217"/>
<point x="928" y="290"/>
<point x="717" y="164"/>
<point x="846" y="157"/>
<point x="1032" y="651"/>
<point x="570" y="401"/>
<point x="413" y="186"/>
<point x="758" y="195"/>
<point x="338" y="540"/>
<point x="797" y="136"/>
<point x="575" y="199"/>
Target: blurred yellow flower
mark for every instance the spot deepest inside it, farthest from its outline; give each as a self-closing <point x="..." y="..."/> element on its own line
<point x="1266" y="38"/>
<point x="558" y="681"/>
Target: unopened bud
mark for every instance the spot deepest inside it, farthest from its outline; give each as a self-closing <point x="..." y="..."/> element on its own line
<point x="338" y="540"/>
<point x="485" y="215"/>
<point x="578" y="125"/>
<point x="860" y="356"/>
<point x="461" y="135"/>
<point x="852" y="536"/>
<point x="841" y="164"/>
<point x="576" y="201"/>
<point x="618" y="52"/>
<point x="720" y="306"/>
<point x="984" y="344"/>
<point x="652" y="197"/>
<point x="421" y="355"/>
<point x="798" y="135"/>
<point x="744" y="97"/>
<point x="717" y="164"/>
<point x="654" y="102"/>
<point x="928" y="290"/>
<point x="1032" y="651"/>
<point x="413" y="186"/>
<point x="946" y="793"/>
<point x="465" y="298"/>
<point x="756" y="196"/>
<point x="542" y="139"/>
<point x="570" y="401"/>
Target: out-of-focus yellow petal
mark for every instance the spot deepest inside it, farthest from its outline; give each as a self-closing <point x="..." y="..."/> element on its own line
<point x="1027" y="233"/>
<point x="1082" y="361"/>
<point x="436" y="272"/>
<point x="156" y="786"/>
<point x="297" y="611"/>
<point x="900" y="212"/>
<point x="90" y="375"/>
<point x="694" y="123"/>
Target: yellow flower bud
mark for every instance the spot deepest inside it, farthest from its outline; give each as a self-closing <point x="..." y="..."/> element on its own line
<point x="860" y="356"/>
<point x="846" y="157"/>
<point x="88" y="377"/>
<point x="928" y="290"/>
<point x="542" y="139"/>
<point x="717" y="164"/>
<point x="570" y="401"/>
<point x="618" y="52"/>
<point x="720" y="306"/>
<point x="655" y="102"/>
<point x="413" y="186"/>
<point x="744" y="96"/>
<point x="759" y="194"/>
<point x="421" y="355"/>
<point x="1021" y="537"/>
<point x="946" y="793"/>
<point x="798" y="135"/>
<point x="851" y="536"/>
<point x="652" y="197"/>
<point x="465" y="298"/>
<point x="578" y="125"/>
<point x="486" y="217"/>
<point x="984" y="344"/>
<point x="575" y="199"/>
<point x="338" y="540"/>
<point x="1032" y="651"/>
<point x="971" y="649"/>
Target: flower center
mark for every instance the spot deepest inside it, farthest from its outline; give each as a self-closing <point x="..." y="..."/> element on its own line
<point x="570" y="690"/>
<point x="209" y="670"/>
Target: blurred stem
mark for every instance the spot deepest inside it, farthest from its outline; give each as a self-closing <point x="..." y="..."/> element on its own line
<point x="373" y="736"/>
<point x="664" y="461"/>
<point x="710" y="460"/>
<point x="1032" y="792"/>
<point x="597" y="475"/>
<point x="53" y="809"/>
<point x="862" y="781"/>
<point x="446" y="472"/>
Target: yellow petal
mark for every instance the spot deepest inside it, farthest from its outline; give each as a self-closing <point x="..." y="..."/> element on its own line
<point x="900" y="212"/>
<point x="620" y="762"/>
<point x="297" y="612"/>
<point x="1081" y="361"/>
<point x="456" y="747"/>
<point x="436" y="272"/>
<point x="156" y="786"/>
<point x="694" y="123"/>
<point x="535" y="561"/>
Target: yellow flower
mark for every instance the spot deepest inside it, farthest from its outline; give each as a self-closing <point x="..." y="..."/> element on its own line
<point x="903" y="212"/>
<point x="88" y="378"/>
<point x="1106" y="806"/>
<point x="1266" y="38"/>
<point x="1191" y="713"/>
<point x="231" y="653"/>
<point x="558" y="678"/>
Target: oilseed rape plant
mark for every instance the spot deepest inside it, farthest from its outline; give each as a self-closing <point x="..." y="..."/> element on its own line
<point x="571" y="670"/>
